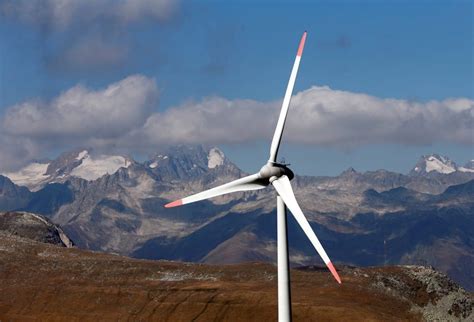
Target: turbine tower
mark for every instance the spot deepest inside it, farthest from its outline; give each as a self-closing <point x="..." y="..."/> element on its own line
<point x="278" y="175"/>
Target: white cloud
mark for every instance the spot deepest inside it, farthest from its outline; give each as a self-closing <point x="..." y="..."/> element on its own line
<point x="16" y="151"/>
<point x="86" y="114"/>
<point x="341" y="118"/>
<point x="213" y="120"/>
<point x="320" y="116"/>
<point x="122" y="117"/>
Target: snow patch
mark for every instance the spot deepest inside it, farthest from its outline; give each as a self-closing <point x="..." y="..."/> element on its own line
<point x="94" y="168"/>
<point x="30" y="175"/>
<point x="215" y="158"/>
<point x="441" y="166"/>
<point x="468" y="167"/>
<point x="153" y="165"/>
<point x="82" y="155"/>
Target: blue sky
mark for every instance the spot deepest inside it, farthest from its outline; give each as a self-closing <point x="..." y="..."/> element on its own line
<point x="416" y="51"/>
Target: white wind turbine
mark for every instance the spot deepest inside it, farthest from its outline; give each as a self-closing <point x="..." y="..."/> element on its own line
<point x="278" y="175"/>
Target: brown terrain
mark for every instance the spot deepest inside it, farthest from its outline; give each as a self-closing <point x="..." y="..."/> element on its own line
<point x="45" y="282"/>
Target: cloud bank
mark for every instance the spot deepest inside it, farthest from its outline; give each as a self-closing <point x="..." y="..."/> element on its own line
<point x="83" y="115"/>
<point x="123" y="115"/>
<point x="319" y="115"/>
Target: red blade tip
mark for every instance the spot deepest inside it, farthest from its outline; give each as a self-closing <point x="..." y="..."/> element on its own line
<point x="334" y="272"/>
<point x="301" y="46"/>
<point x="174" y="204"/>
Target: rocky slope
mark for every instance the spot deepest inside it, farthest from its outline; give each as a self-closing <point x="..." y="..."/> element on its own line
<point x="33" y="227"/>
<point x="43" y="282"/>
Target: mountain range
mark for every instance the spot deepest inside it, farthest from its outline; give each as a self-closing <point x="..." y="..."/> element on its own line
<point x="113" y="203"/>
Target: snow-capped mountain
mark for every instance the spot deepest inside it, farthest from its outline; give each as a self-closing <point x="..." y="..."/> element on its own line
<point x="78" y="163"/>
<point x="32" y="176"/>
<point x="92" y="168"/>
<point x="189" y="162"/>
<point x="114" y="204"/>
<point x="435" y="164"/>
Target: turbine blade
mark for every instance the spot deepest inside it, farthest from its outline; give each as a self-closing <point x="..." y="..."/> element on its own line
<point x="286" y="103"/>
<point x="252" y="182"/>
<point x="285" y="191"/>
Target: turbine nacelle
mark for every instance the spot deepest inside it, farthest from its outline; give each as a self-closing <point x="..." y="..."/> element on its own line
<point x="274" y="170"/>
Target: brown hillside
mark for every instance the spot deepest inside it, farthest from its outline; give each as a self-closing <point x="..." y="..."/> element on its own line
<point x="46" y="282"/>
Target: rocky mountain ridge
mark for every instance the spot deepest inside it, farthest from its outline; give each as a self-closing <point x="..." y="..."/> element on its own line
<point x="33" y="227"/>
<point x="78" y="163"/>
<point x="185" y="162"/>
<point x="371" y="218"/>
<point x="435" y="164"/>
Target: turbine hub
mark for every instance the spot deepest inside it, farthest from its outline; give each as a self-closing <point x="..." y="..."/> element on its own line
<point x="273" y="170"/>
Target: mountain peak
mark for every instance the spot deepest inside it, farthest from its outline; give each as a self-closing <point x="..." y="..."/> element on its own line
<point x="81" y="163"/>
<point x="67" y="161"/>
<point x="349" y="171"/>
<point x="434" y="163"/>
<point x="83" y="154"/>
<point x="85" y="164"/>
<point x="189" y="161"/>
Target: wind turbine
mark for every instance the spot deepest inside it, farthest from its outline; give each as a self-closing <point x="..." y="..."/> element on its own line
<point x="278" y="175"/>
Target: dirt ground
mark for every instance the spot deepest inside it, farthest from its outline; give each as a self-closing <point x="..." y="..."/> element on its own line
<point x="41" y="282"/>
